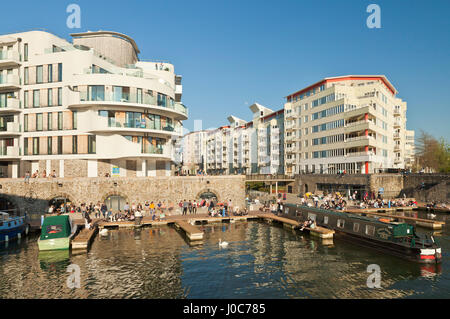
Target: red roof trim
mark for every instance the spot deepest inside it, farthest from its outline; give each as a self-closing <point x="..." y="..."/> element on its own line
<point x="388" y="86"/>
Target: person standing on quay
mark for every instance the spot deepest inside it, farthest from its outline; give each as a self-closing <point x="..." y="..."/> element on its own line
<point x="190" y="207"/>
<point x="185" y="207"/>
<point x="194" y="207"/>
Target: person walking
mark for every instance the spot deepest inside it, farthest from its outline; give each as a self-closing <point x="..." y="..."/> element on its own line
<point x="185" y="207"/>
<point x="104" y="209"/>
<point x="194" y="207"/>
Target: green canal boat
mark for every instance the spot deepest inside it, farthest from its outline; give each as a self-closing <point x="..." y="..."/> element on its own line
<point x="56" y="233"/>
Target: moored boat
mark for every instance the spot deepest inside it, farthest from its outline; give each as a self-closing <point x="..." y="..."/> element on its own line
<point x="12" y="227"/>
<point x="56" y="233"/>
<point x="399" y="239"/>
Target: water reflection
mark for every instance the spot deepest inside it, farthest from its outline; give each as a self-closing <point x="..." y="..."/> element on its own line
<point x="261" y="261"/>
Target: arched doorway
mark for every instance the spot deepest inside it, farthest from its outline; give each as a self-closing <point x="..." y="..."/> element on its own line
<point x="8" y="206"/>
<point x="115" y="202"/>
<point x="208" y="196"/>
<point x="58" y="201"/>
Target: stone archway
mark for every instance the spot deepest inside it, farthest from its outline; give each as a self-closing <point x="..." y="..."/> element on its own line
<point x="207" y="192"/>
<point x="8" y="204"/>
<point x="115" y="200"/>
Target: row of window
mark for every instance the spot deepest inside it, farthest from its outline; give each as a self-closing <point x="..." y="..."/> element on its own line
<point x="327" y="126"/>
<point x="328" y="112"/>
<point x="329" y="153"/>
<point x="54" y="145"/>
<point x="137" y="120"/>
<point x="39" y="70"/>
<point x="328" y="139"/>
<point x="323" y="100"/>
<point x="39" y="118"/>
<point x="54" y="98"/>
<point x="309" y="93"/>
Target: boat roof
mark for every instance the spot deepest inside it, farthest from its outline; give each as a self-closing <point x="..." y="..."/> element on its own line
<point x="345" y="214"/>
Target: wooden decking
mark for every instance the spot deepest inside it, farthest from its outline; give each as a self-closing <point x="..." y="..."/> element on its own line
<point x="84" y="238"/>
<point x="192" y="232"/>
<point x="317" y="231"/>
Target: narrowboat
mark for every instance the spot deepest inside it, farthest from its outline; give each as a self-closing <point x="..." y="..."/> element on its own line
<point x="398" y="239"/>
<point x="56" y="233"/>
<point x="12" y="228"/>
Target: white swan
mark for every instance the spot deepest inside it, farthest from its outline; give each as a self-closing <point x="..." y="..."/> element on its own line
<point x="103" y="232"/>
<point x="222" y="243"/>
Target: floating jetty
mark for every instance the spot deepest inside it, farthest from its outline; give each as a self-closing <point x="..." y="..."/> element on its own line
<point x="426" y="223"/>
<point x="317" y="231"/>
<point x="84" y="238"/>
<point x="192" y="232"/>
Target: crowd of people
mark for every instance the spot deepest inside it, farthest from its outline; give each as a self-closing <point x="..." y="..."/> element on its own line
<point x="383" y="203"/>
<point x="37" y="174"/>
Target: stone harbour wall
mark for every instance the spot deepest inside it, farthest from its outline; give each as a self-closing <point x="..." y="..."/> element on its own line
<point x="33" y="197"/>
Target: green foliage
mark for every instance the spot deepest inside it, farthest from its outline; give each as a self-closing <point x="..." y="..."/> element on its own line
<point x="433" y="153"/>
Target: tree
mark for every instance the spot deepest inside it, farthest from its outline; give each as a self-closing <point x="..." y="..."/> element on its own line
<point x="432" y="153"/>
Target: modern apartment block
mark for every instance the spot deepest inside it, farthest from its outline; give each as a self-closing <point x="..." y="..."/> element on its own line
<point x="86" y="108"/>
<point x="410" y="149"/>
<point x="194" y="151"/>
<point x="254" y="147"/>
<point x="354" y="123"/>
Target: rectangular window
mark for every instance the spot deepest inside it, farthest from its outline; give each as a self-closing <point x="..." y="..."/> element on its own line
<point x="325" y="219"/>
<point x="25" y="122"/>
<point x="59" y="72"/>
<point x="356" y="227"/>
<point x="25" y="146"/>
<point x="50" y="73"/>
<point x="91" y="144"/>
<point x="49" y="121"/>
<point x="25" y="76"/>
<point x="74" y="120"/>
<point x="60" y="144"/>
<point x="36" y="96"/>
<point x="35" y="145"/>
<point x="49" y="145"/>
<point x="39" y="122"/>
<point x="25" y="52"/>
<point x="370" y="230"/>
<point x="60" y="120"/>
<point x="139" y="96"/>
<point x="74" y="144"/>
<point x="59" y="96"/>
<point x="25" y="99"/>
<point x="50" y="97"/>
<point x="96" y="93"/>
<point x="40" y="74"/>
<point x="340" y="223"/>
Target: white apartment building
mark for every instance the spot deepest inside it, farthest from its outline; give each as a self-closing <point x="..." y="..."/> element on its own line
<point x="194" y="151"/>
<point x="354" y="123"/>
<point x="254" y="147"/>
<point x="86" y="108"/>
<point x="410" y="149"/>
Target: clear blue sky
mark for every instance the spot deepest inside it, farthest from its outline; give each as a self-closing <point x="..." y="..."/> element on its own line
<point x="234" y="53"/>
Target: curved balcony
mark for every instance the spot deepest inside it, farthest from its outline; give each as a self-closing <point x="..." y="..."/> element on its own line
<point x="96" y="124"/>
<point x="12" y="106"/>
<point x="9" y="152"/>
<point x="118" y="146"/>
<point x="11" y="129"/>
<point x="10" y="82"/>
<point x="9" y="59"/>
<point x="81" y="99"/>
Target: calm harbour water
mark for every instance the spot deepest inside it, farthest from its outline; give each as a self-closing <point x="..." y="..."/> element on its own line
<point x="261" y="261"/>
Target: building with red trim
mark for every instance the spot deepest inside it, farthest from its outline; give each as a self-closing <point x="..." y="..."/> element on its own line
<point x="353" y="123"/>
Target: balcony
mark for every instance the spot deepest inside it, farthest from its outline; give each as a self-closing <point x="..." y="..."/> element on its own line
<point x="9" y="81"/>
<point x="11" y="128"/>
<point x="396" y="135"/>
<point x="397" y="124"/>
<point x="8" y="152"/>
<point x="80" y="99"/>
<point x="9" y="58"/>
<point x="12" y="105"/>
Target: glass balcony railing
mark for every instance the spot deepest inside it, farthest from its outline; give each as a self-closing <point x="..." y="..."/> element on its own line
<point x="143" y="125"/>
<point x="132" y="98"/>
<point x="151" y="149"/>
